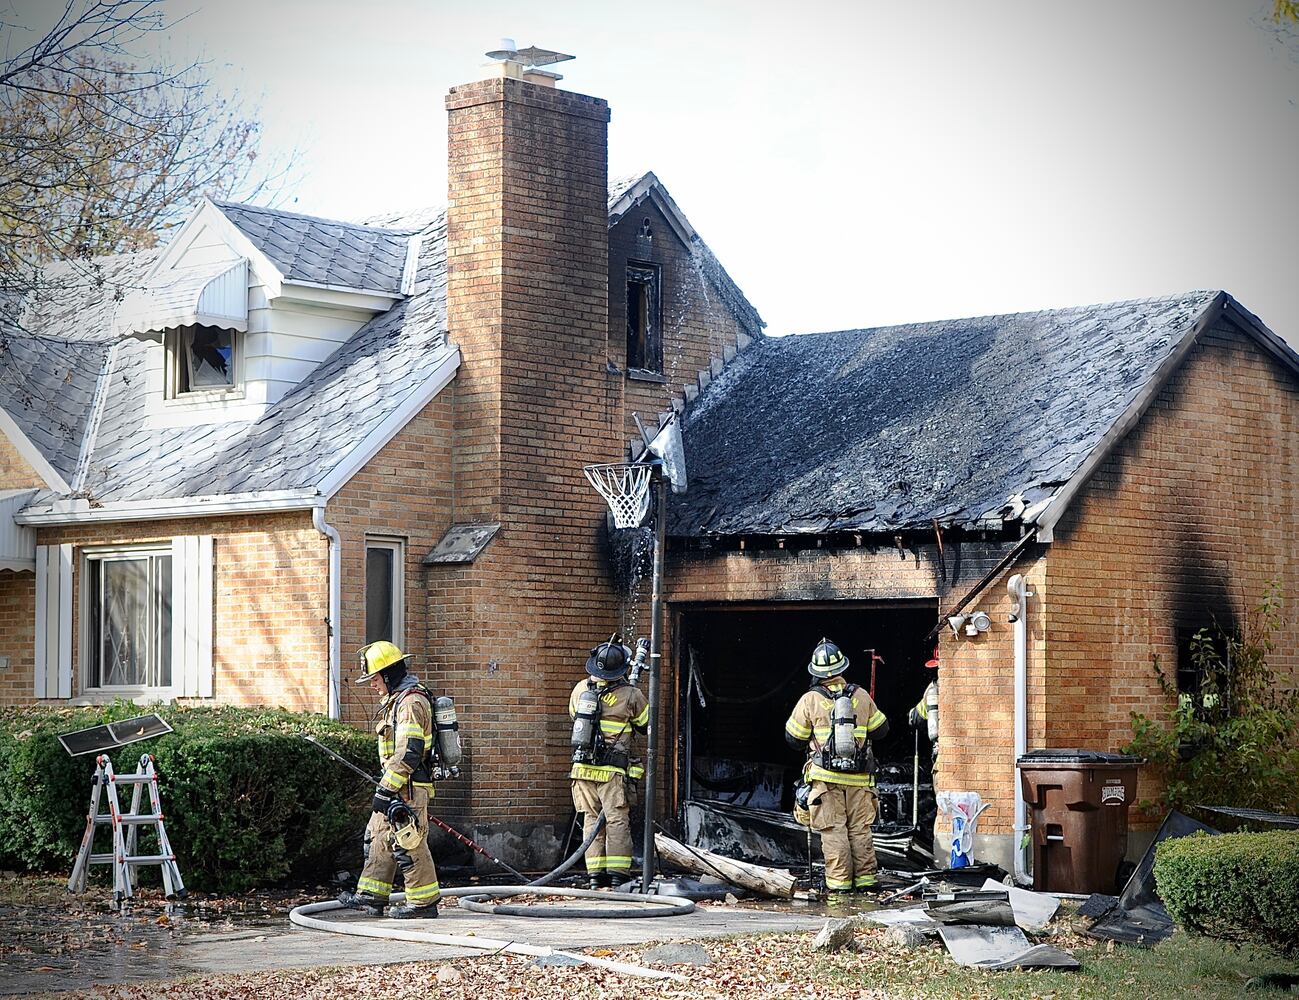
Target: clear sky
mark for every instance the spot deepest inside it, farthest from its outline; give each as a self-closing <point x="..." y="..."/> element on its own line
<point x="851" y="163"/>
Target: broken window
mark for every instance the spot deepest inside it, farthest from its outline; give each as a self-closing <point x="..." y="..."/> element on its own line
<point x="128" y="597"/>
<point x="1198" y="670"/>
<point x="384" y="589"/>
<point x="644" y="335"/>
<point x="201" y="359"/>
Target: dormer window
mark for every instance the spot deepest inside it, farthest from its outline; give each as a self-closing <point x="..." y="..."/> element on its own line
<point x="201" y="360"/>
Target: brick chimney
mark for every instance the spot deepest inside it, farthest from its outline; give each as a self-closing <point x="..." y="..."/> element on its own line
<point x="527" y="304"/>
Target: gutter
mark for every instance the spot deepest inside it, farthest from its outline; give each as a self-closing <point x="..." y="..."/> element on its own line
<point x="335" y="694"/>
<point x="80" y="511"/>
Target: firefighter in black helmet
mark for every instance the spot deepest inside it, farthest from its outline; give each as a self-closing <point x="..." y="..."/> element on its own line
<point x="606" y="709"/>
<point x="835" y="723"/>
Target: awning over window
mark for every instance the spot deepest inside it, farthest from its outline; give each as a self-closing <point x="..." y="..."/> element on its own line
<point x="17" y="541"/>
<point x="213" y="295"/>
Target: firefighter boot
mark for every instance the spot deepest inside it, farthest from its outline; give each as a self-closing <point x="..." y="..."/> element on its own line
<point x="407" y="912"/>
<point x="371" y="906"/>
<point x="601" y="880"/>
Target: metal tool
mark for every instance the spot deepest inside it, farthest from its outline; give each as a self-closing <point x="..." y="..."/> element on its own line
<point x="432" y="819"/>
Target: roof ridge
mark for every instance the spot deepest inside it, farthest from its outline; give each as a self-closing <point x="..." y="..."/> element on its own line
<point x="1208" y="293"/>
<point x="268" y="210"/>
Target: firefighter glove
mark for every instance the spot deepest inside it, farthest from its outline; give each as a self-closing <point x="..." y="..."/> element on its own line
<point x="913" y="717"/>
<point x="382" y="800"/>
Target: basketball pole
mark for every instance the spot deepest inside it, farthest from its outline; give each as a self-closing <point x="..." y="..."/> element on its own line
<point x="656" y="662"/>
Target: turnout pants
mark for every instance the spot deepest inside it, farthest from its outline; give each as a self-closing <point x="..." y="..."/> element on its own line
<point x="610" y="851"/>
<point x="385" y="858"/>
<point x="843" y="815"/>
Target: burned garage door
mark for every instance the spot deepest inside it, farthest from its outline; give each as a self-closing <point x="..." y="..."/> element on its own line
<point x="742" y="667"/>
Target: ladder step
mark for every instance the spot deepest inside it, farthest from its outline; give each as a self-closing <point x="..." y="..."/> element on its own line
<point x="149" y="859"/>
<point x="133" y="779"/>
<point x="102" y="859"/>
<point x="105" y="818"/>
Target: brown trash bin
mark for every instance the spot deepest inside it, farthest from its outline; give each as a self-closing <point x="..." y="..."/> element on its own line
<point x="1078" y="806"/>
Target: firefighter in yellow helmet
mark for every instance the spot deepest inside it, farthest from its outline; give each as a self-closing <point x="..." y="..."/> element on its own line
<point x="606" y="709"/>
<point x="835" y="722"/>
<point x="397" y="834"/>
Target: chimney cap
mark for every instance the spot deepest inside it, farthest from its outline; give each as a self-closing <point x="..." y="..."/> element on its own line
<point x="531" y="56"/>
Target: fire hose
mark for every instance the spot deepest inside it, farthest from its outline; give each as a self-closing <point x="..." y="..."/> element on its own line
<point x="472" y="896"/>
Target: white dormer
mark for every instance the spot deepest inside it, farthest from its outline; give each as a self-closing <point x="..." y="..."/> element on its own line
<point x="232" y="330"/>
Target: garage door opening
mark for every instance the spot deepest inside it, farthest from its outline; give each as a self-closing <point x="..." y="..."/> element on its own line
<point x="742" y="668"/>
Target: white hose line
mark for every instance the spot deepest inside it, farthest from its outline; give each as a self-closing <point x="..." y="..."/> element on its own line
<point x="301" y="915"/>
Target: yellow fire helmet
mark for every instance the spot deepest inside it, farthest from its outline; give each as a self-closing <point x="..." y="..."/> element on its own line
<point x="377" y="656"/>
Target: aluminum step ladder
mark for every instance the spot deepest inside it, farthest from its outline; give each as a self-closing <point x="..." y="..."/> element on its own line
<point x="124" y="827"/>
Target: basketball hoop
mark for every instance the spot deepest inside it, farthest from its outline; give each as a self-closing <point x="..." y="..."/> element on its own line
<point x="625" y="488"/>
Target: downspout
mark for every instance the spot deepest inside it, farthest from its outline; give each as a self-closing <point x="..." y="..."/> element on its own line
<point x="335" y="599"/>
<point x="1017" y="586"/>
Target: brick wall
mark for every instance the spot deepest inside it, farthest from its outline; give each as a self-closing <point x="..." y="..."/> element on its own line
<point x="17" y="636"/>
<point x="270" y="607"/>
<point x="698" y="329"/>
<point x="1185" y="523"/>
<point x="527" y="251"/>
<point x="15" y="471"/>
<point x="403" y="492"/>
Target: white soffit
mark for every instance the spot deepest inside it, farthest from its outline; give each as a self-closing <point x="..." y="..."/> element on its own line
<point x="213" y="295"/>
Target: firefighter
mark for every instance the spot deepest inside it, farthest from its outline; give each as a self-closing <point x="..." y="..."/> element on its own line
<point x="606" y="709"/>
<point x="397" y="835"/>
<point x="835" y="722"/>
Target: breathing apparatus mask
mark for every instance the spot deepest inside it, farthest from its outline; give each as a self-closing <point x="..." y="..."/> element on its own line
<point x="404" y="828"/>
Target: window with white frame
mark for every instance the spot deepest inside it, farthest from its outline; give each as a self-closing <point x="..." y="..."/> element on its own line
<point x="128" y="597"/>
<point x="201" y="360"/>
<point x="385" y="589"/>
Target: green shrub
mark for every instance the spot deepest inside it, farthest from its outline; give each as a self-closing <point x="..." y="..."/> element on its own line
<point x="1238" y="887"/>
<point x="248" y="802"/>
<point x="1235" y="740"/>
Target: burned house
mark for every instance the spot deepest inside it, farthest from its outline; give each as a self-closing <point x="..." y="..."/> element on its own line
<point x="1131" y="463"/>
<point x="293" y="435"/>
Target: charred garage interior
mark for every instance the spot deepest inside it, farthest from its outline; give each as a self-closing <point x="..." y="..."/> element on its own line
<point x="743" y="666"/>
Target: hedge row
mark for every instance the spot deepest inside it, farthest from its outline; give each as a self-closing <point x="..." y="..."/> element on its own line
<point x="248" y="801"/>
<point x="1238" y="886"/>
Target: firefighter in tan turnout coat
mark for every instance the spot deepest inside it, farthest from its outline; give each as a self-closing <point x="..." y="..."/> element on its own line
<point x="606" y="709"/>
<point x="835" y="722"/>
<point x="397" y="835"/>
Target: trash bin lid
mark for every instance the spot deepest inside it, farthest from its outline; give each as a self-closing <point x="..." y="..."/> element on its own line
<point x="1077" y="756"/>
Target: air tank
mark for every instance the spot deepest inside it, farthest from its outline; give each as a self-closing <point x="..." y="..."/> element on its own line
<point x="448" y="731"/>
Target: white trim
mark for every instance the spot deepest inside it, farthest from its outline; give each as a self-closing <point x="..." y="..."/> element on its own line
<point x="97" y="404"/>
<point x="356" y="459"/>
<point x="334" y="631"/>
<point x="263" y="267"/>
<point x="411" y="267"/>
<point x="31" y="454"/>
<point x="397" y="546"/>
<point x="65" y="622"/>
<point x="337" y="296"/>
<point x="80" y="511"/>
<point x="650" y="187"/>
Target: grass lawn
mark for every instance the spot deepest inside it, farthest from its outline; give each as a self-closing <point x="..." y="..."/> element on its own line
<point x="781" y="965"/>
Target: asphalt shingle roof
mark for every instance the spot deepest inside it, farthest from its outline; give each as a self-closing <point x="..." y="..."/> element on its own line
<point x="301" y="438"/>
<point x="324" y="251"/>
<point x="891" y="428"/>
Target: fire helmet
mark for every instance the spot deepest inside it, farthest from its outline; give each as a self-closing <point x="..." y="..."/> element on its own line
<point x="609" y="660"/>
<point x="376" y="657"/>
<point x="827" y="660"/>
